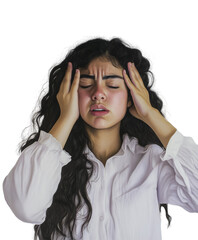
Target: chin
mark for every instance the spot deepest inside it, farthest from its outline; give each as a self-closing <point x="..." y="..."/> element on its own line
<point x="102" y="126"/>
<point x="97" y="126"/>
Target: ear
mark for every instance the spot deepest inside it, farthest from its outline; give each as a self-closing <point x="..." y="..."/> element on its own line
<point x="129" y="103"/>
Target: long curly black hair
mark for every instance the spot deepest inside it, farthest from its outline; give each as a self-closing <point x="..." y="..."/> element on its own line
<point x="72" y="191"/>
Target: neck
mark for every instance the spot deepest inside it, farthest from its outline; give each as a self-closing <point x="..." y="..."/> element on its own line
<point x="104" y="142"/>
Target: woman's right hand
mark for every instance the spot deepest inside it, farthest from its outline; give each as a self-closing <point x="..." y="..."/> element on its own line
<point x="67" y="95"/>
<point x="67" y="98"/>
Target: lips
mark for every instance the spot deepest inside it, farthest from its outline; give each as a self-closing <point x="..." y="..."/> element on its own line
<point x="98" y="106"/>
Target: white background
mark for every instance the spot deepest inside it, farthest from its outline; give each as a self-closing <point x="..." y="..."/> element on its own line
<point x="37" y="34"/>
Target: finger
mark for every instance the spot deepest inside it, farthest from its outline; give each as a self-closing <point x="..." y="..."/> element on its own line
<point x="128" y="81"/>
<point x="133" y="75"/>
<point x="66" y="83"/>
<point x="138" y="77"/>
<point x="76" y="81"/>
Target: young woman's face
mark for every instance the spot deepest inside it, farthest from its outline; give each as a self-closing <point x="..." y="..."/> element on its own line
<point x="102" y="87"/>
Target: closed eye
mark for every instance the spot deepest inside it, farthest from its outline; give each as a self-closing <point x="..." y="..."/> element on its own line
<point x="85" y="86"/>
<point x="112" y="87"/>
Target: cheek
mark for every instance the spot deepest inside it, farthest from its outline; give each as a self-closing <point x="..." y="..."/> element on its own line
<point x="83" y="99"/>
<point x="120" y="104"/>
<point x="120" y="98"/>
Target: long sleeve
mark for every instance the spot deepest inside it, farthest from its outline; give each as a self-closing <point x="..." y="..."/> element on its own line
<point x="30" y="185"/>
<point x="178" y="173"/>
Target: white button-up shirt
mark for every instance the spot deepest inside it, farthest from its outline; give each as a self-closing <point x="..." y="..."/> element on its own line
<point x="125" y="193"/>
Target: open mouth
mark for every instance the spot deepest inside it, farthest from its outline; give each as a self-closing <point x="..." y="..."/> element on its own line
<point x="99" y="112"/>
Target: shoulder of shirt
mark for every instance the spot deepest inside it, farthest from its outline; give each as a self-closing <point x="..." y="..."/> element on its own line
<point x="133" y="145"/>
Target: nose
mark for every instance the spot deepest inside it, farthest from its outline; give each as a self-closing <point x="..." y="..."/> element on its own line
<point x="98" y="93"/>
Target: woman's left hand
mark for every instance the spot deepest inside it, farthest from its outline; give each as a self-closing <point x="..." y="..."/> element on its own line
<point x="139" y="93"/>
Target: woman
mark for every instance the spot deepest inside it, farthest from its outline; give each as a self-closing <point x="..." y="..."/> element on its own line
<point x="103" y="158"/>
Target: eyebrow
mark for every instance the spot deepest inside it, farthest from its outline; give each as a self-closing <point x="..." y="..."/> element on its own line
<point x="104" y="77"/>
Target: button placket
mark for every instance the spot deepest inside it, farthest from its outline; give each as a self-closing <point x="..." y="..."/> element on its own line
<point x="103" y="193"/>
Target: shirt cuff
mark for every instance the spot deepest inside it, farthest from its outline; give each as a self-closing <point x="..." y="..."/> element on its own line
<point x="48" y="140"/>
<point x="173" y="146"/>
<point x="51" y="142"/>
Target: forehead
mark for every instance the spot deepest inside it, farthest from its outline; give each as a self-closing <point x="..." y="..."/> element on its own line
<point x="101" y="65"/>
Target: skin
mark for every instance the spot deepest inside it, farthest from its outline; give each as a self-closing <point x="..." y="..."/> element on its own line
<point x="103" y="130"/>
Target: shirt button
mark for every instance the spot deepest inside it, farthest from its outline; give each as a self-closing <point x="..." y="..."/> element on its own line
<point x="101" y="218"/>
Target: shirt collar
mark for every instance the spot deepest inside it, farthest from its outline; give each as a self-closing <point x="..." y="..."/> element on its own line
<point x="126" y="143"/>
